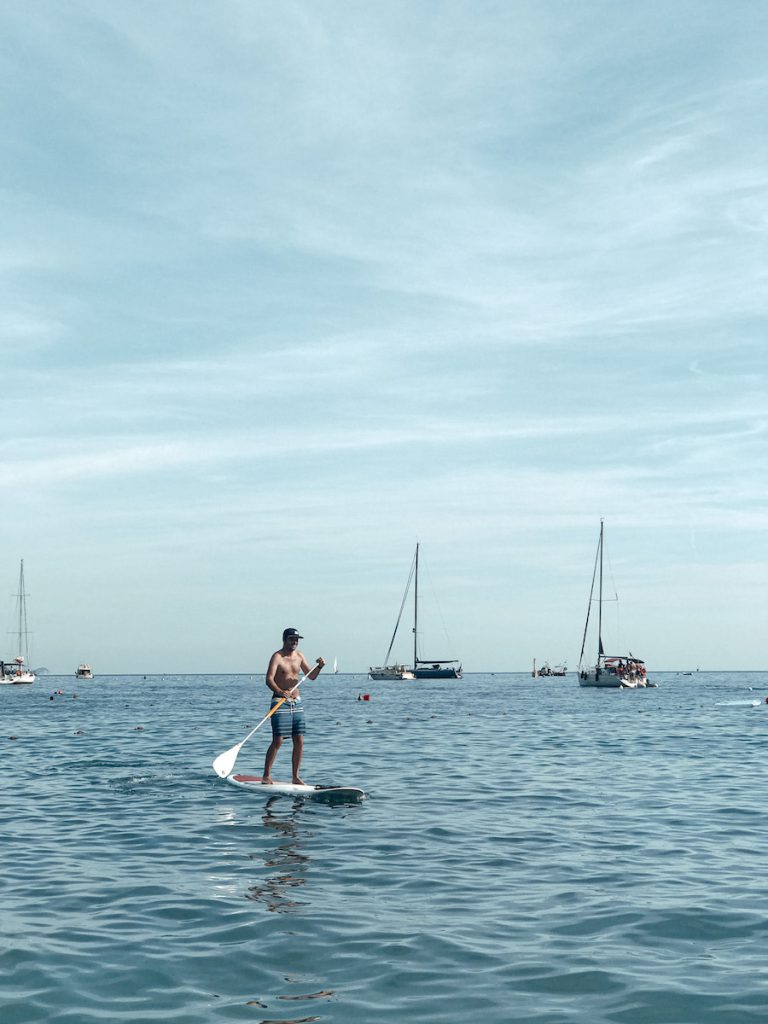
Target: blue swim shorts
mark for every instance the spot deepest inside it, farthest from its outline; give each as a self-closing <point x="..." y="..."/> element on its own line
<point x="288" y="720"/>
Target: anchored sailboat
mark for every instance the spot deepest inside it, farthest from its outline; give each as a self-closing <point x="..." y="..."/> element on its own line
<point x="423" y="668"/>
<point x="433" y="668"/>
<point x="394" y="670"/>
<point x="14" y="672"/>
<point x="615" y="671"/>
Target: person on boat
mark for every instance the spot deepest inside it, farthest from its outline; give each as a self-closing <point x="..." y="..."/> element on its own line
<point x="283" y="680"/>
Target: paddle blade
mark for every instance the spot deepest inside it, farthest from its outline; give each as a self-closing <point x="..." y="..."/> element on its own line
<point x="225" y="762"/>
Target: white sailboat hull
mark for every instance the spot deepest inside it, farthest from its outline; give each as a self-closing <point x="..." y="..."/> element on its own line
<point x="17" y="680"/>
<point x="607" y="682"/>
<point x="605" y="678"/>
<point x="390" y="672"/>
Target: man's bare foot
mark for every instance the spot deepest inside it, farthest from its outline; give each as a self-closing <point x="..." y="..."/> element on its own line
<point x="298" y="782"/>
<point x="266" y="780"/>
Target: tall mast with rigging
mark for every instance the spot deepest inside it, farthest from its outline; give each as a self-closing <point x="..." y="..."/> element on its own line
<point x="416" y="609"/>
<point x="600" y="605"/>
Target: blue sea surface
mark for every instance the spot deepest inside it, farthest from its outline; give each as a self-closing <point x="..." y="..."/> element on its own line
<point x="529" y="852"/>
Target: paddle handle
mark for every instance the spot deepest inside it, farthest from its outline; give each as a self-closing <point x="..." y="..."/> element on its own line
<point x="271" y="712"/>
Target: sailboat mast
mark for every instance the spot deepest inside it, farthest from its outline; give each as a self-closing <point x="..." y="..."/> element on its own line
<point x="416" y="609"/>
<point x="600" y="602"/>
<point x="400" y="613"/>
<point x="23" y="643"/>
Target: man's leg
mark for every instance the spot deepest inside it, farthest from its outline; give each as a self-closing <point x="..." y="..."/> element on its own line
<point x="298" y="749"/>
<point x="269" y="760"/>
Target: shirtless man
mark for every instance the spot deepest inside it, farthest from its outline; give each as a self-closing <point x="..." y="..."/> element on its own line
<point x="288" y="720"/>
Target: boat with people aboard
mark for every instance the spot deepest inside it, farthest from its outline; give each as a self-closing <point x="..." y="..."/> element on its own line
<point x="625" y="671"/>
<point x="422" y="668"/>
<point x="547" y="670"/>
<point x="84" y="671"/>
<point x="15" y="671"/>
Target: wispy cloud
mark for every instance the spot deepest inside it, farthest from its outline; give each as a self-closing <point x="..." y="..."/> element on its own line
<point x="483" y="278"/>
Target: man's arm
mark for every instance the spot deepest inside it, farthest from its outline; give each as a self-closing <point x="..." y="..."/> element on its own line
<point x="314" y="672"/>
<point x="270" y="677"/>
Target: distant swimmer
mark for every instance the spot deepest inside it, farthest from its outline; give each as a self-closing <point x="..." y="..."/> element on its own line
<point x="288" y="720"/>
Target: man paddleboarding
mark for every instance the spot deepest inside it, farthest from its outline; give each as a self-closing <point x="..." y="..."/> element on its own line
<point x="283" y="680"/>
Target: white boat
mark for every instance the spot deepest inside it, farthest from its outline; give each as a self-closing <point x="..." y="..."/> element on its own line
<point x="423" y="668"/>
<point x="390" y="672"/>
<point x="611" y="671"/>
<point x="15" y="672"/>
<point x="84" y="672"/>
<point x="549" y="670"/>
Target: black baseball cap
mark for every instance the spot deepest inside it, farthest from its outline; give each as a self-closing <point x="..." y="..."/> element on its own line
<point x="292" y="632"/>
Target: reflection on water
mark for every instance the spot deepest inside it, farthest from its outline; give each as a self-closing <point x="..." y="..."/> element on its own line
<point x="288" y="867"/>
<point x="295" y="1020"/>
<point x="325" y="994"/>
<point x="278" y="891"/>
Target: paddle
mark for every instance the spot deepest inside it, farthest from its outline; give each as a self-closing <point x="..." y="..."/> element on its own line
<point x="225" y="762"/>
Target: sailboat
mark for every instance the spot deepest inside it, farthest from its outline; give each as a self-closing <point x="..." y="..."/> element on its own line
<point x="615" y="671"/>
<point x="394" y="670"/>
<point x="432" y="668"/>
<point x="335" y="666"/>
<point x="14" y="672"/>
<point x="423" y="668"/>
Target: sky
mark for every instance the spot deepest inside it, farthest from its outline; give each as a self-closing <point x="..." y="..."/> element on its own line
<point x="288" y="287"/>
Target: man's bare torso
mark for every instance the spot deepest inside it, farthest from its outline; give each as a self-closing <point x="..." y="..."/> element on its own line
<point x="286" y="669"/>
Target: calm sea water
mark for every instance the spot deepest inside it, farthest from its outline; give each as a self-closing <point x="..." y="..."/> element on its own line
<point x="529" y="852"/>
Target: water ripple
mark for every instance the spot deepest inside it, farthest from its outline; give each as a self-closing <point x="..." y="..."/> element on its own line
<point x="561" y="857"/>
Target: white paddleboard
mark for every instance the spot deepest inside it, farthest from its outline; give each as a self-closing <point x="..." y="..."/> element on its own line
<point x="254" y="783"/>
<point x="738" y="704"/>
